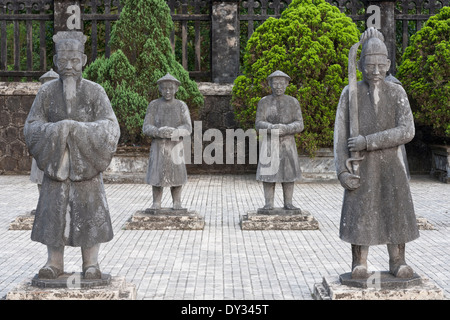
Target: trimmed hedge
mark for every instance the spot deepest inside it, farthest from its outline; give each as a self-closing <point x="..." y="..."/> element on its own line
<point x="310" y="42"/>
<point x="142" y="54"/>
<point x="425" y="74"/>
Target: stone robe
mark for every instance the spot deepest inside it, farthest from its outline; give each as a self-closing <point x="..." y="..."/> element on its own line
<point x="279" y="110"/>
<point x="381" y="210"/>
<point x="72" y="208"/>
<point x="166" y="166"/>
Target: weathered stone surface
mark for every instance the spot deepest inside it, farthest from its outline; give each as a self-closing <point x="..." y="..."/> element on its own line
<point x="70" y="280"/>
<point x="166" y="219"/>
<point x="118" y="289"/>
<point x="384" y="280"/>
<point x="225" y="41"/>
<point x="333" y="289"/>
<point x="23" y="222"/>
<point x="320" y="167"/>
<point x="279" y="219"/>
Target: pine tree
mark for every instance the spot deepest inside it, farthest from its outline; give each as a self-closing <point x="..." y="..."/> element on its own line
<point x="142" y="54"/>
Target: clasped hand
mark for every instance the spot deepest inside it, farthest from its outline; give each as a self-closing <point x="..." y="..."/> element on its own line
<point x="280" y="127"/>
<point x="166" y="132"/>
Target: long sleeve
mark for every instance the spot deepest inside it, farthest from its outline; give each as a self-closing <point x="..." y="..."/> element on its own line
<point x="261" y="121"/>
<point x="402" y="133"/>
<point x="296" y="126"/>
<point x="149" y="128"/>
<point x="93" y="144"/>
<point x="47" y="141"/>
<point x="185" y="129"/>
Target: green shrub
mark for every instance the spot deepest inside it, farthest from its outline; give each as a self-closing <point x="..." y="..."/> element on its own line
<point x="310" y="42"/>
<point x="142" y="54"/>
<point x="425" y="74"/>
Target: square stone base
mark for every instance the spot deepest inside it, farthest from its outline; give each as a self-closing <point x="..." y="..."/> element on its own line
<point x="279" y="219"/>
<point x="117" y="289"/>
<point x="165" y="219"/>
<point x="332" y="289"/>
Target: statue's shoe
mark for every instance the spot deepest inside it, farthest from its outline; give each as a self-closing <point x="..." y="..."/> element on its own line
<point x="49" y="272"/>
<point x="290" y="207"/>
<point x="402" y="271"/>
<point x="92" y="272"/>
<point x="360" y="272"/>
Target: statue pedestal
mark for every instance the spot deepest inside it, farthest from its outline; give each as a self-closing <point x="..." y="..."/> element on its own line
<point x="23" y="222"/>
<point x="379" y="286"/>
<point x="74" y="287"/>
<point x="279" y="219"/>
<point x="165" y="219"/>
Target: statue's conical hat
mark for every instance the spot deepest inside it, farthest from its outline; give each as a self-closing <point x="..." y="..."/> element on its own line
<point x="278" y="73"/>
<point x="49" y="75"/>
<point x="168" y="77"/>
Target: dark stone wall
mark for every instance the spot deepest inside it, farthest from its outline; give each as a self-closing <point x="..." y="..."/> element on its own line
<point x="16" y="100"/>
<point x="15" y="103"/>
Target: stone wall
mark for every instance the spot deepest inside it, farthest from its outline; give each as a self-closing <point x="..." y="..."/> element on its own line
<point x="130" y="165"/>
<point x="15" y="103"/>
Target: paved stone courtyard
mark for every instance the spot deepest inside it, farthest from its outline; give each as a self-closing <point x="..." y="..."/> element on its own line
<point x="223" y="262"/>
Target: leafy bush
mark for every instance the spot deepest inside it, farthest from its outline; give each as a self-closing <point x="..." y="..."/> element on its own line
<point x="425" y="74"/>
<point x="310" y="42"/>
<point x="142" y="54"/>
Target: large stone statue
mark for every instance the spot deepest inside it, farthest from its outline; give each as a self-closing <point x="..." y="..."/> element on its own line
<point x="373" y="122"/>
<point x="72" y="133"/>
<point x="167" y="121"/>
<point x="281" y="116"/>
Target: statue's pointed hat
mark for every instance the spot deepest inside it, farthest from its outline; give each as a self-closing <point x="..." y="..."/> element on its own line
<point x="278" y="73"/>
<point x="168" y="77"/>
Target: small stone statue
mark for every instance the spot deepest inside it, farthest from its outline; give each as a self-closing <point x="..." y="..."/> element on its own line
<point x="281" y="116"/>
<point x="166" y="121"/>
<point x="72" y="133"/>
<point x="373" y="122"/>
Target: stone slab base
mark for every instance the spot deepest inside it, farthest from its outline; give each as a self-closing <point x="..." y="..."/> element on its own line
<point x="23" y="222"/>
<point x="71" y="280"/>
<point x="333" y="289"/>
<point x="279" y="219"/>
<point x="165" y="219"/>
<point x="118" y="289"/>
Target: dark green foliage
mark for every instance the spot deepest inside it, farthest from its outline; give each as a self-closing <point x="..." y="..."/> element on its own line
<point x="141" y="55"/>
<point x="425" y="74"/>
<point x="310" y="42"/>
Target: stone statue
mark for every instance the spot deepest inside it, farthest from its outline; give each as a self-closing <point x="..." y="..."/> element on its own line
<point x="281" y="116"/>
<point x="373" y="122"/>
<point x="72" y="133"/>
<point x="167" y="121"/>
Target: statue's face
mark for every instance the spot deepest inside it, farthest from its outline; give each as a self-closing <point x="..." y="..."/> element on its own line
<point x="168" y="90"/>
<point x="70" y="63"/>
<point x="278" y="85"/>
<point x="375" y="67"/>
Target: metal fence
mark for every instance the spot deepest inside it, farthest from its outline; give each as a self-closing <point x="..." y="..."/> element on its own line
<point x="26" y="28"/>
